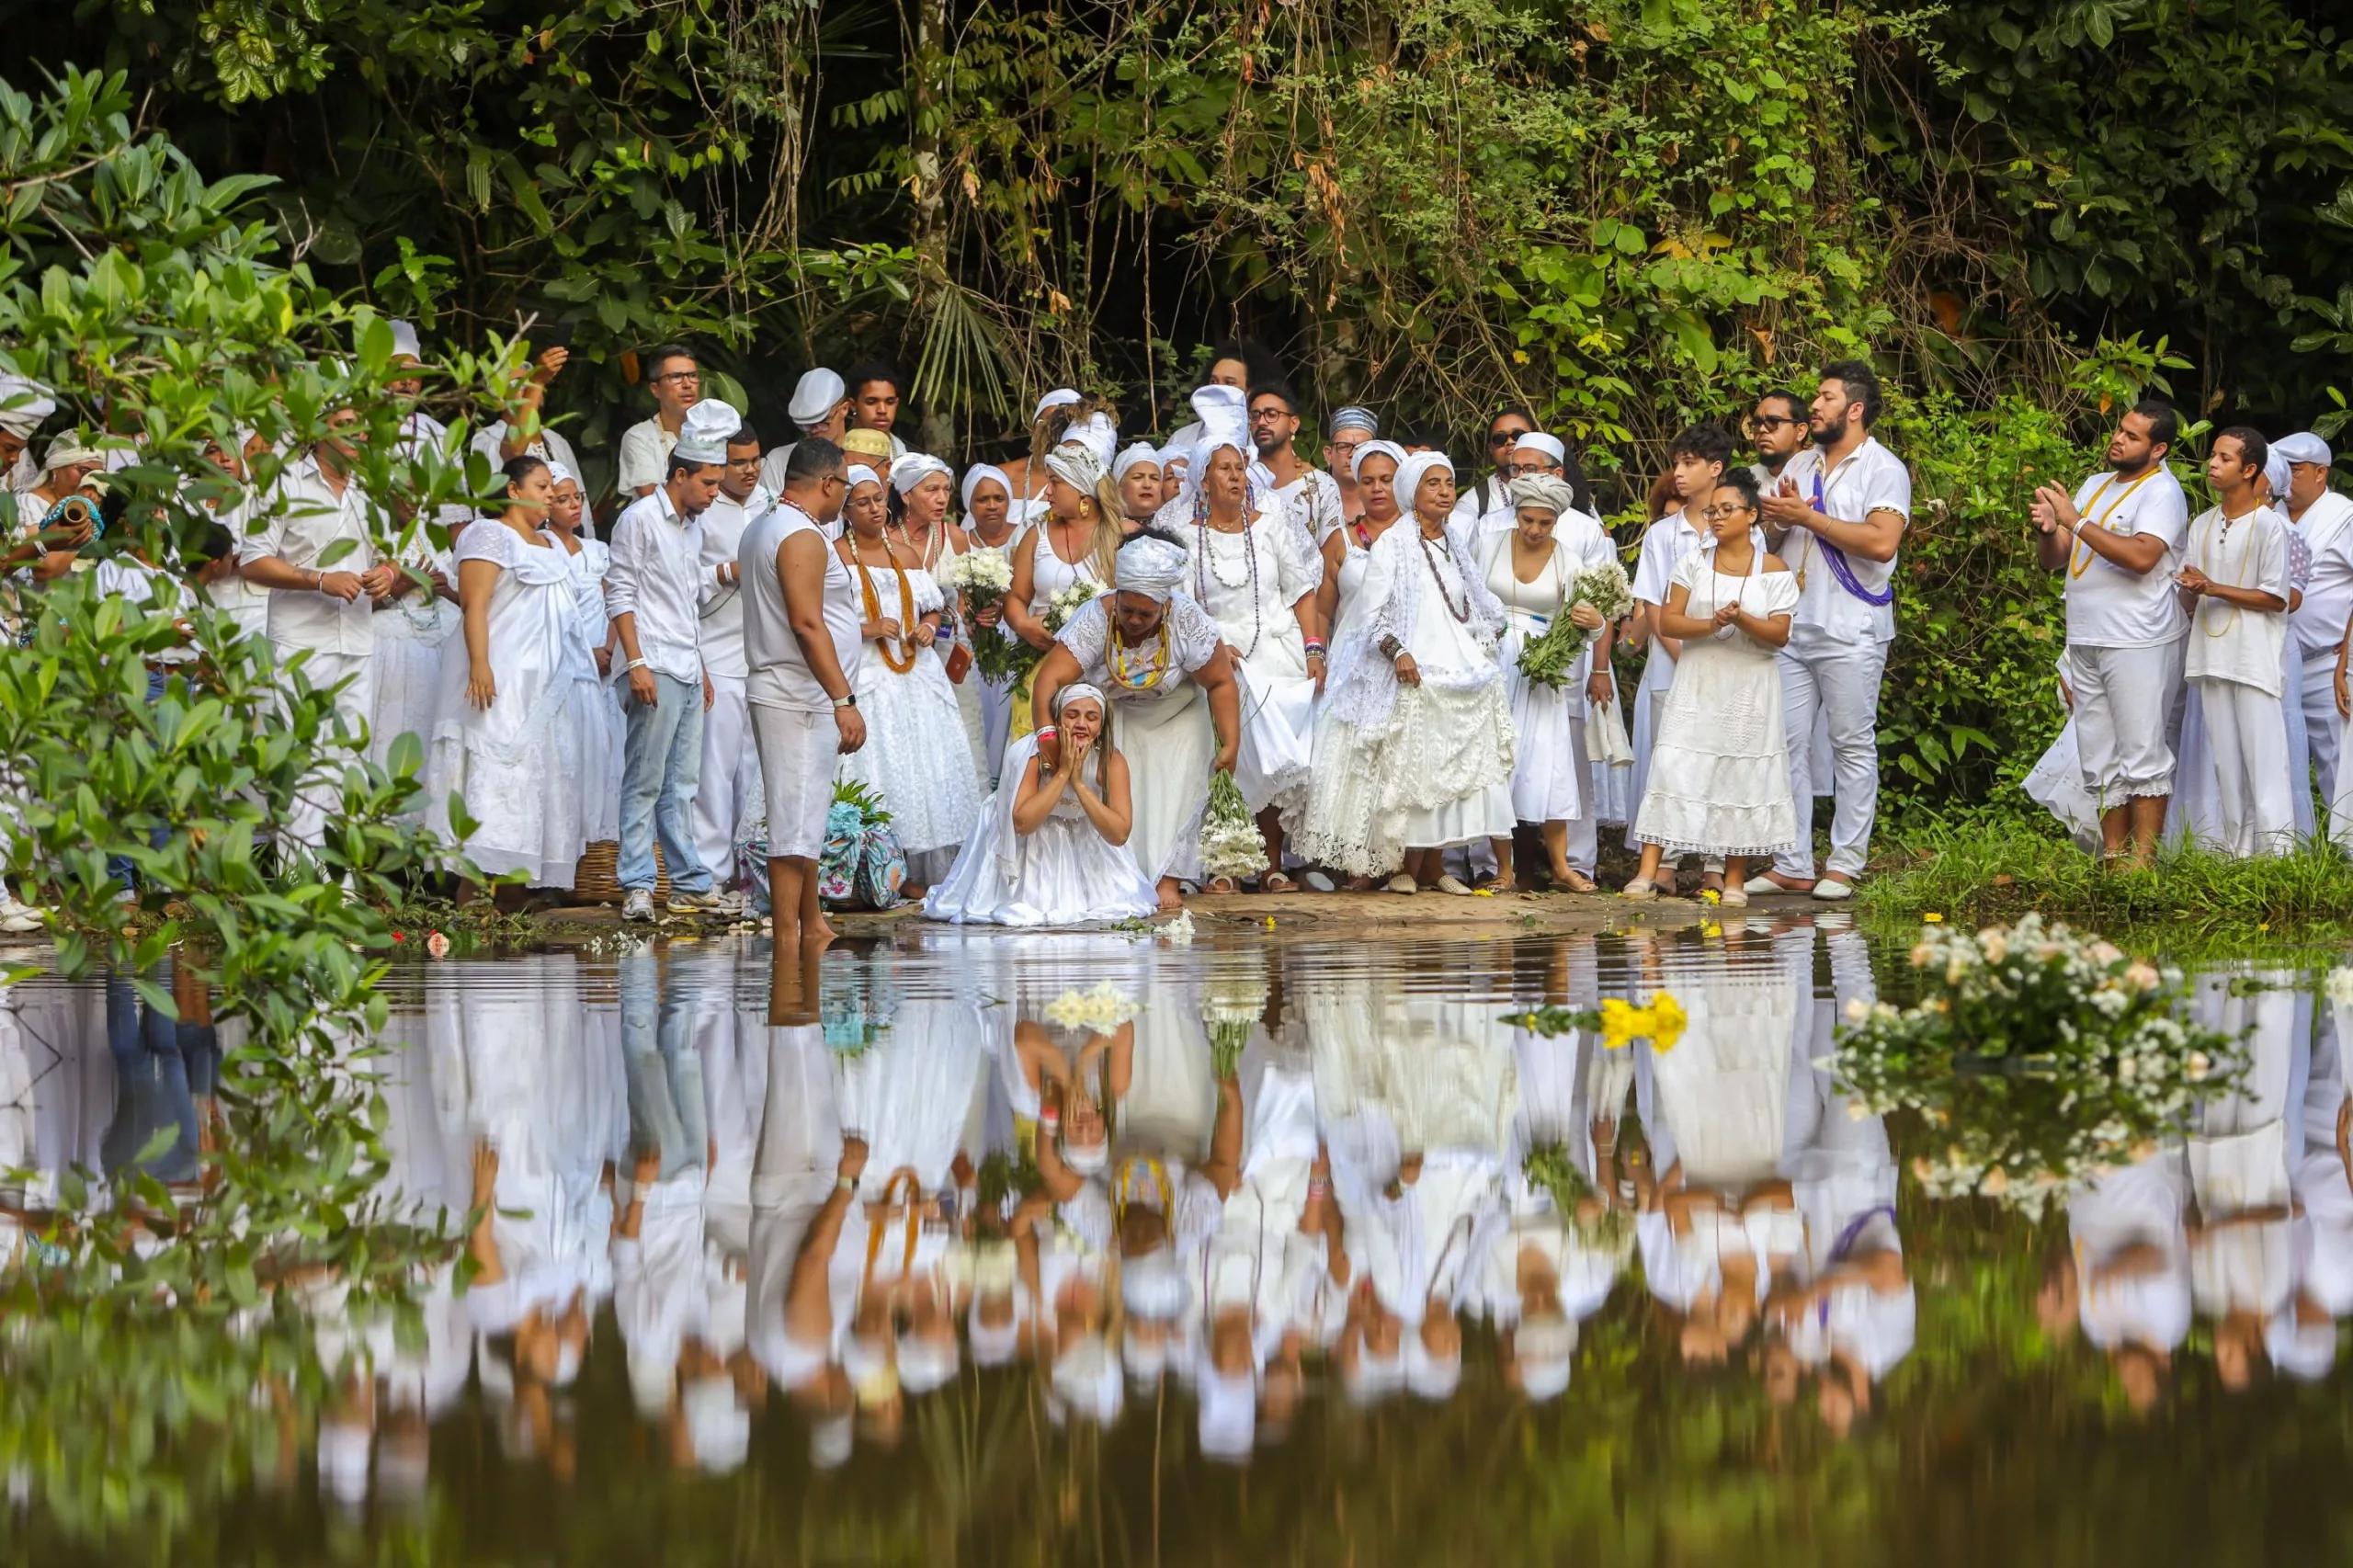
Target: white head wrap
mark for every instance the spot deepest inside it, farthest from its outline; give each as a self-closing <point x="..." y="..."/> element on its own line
<point x="703" y="437"/>
<point x="2306" y="1352"/>
<point x="1229" y="1414"/>
<point x="816" y="394"/>
<point x="1152" y="1285"/>
<point x="2276" y="470"/>
<point x="1545" y="1349"/>
<point x="1431" y="1377"/>
<point x="1146" y="1358"/>
<point x="858" y="474"/>
<point x="1374" y="1378"/>
<point x="1537" y="441"/>
<point x="1224" y="413"/>
<point x="24" y="403"/>
<point x="831" y="1438"/>
<point x="1412" y="471"/>
<point x="405" y="342"/>
<point x="653" y="1374"/>
<point x="1389" y="449"/>
<point x="1142" y="452"/>
<point x="1060" y="397"/>
<point x="1087" y="1376"/>
<point x="1074" y="691"/>
<point x="1086" y="1159"/>
<point x="1150" y="566"/>
<point x="718" y="1426"/>
<point x="1075" y="464"/>
<point x="925" y="1364"/>
<point x="1545" y="491"/>
<point x="979" y="472"/>
<point x="559" y="474"/>
<point x="2303" y="447"/>
<point x="69" y="450"/>
<point x="912" y="470"/>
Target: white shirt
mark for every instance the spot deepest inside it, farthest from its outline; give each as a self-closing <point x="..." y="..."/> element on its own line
<point x="1664" y="544"/>
<point x="656" y="565"/>
<point x="2327" y="527"/>
<point x="1868" y="479"/>
<point x="645" y="455"/>
<point x="548" y="446"/>
<point x="307" y="517"/>
<point x="722" y="607"/>
<point x="781" y="675"/>
<point x="2108" y="606"/>
<point x="135" y="582"/>
<point x="2230" y="641"/>
<point x="1314" y="500"/>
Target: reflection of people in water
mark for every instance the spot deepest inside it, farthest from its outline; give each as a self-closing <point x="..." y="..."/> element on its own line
<point x="2125" y="1278"/>
<point x="2241" y="1265"/>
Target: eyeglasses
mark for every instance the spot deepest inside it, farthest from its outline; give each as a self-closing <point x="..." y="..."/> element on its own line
<point x="1523" y="471"/>
<point x="1344" y="449"/>
<point x="1715" y="514"/>
<point x="681" y="376"/>
<point x="1764" y="422"/>
<point x="1506" y="437"/>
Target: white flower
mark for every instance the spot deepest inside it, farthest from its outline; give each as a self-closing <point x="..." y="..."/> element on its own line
<point x="1100" y="1011"/>
<point x="1857" y="1011"/>
<point x="2340" y="986"/>
<point x="1178" y="933"/>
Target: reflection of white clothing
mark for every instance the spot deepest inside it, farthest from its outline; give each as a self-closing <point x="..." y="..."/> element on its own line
<point x="1065" y="873"/>
<point x="2140" y="1205"/>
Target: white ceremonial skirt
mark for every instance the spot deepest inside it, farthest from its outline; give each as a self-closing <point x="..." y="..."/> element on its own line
<point x="1278" y="733"/>
<point x="1544" y="782"/>
<point x="1063" y="874"/>
<point x="1718" y="780"/>
<point x="408" y="696"/>
<point x="917" y="754"/>
<point x="2057" y="784"/>
<point x="1446" y="765"/>
<point x="1170" y="744"/>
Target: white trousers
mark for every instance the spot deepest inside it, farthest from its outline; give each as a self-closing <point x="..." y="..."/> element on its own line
<point x="2323" y="725"/>
<point x="2246" y="735"/>
<point x="2128" y="718"/>
<point x="730" y="788"/>
<point x="306" y="819"/>
<point x="1839" y="683"/>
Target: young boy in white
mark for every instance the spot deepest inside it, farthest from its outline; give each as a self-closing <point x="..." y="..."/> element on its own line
<point x="2119" y="540"/>
<point x="2234" y="581"/>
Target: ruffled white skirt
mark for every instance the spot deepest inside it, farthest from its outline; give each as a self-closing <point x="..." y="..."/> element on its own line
<point x="1063" y="874"/>
<point x="917" y="754"/>
<point x="1170" y="742"/>
<point x="1719" y="776"/>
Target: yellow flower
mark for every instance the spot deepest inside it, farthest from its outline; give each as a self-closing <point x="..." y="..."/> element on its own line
<point x="1709" y="928"/>
<point x="1667" y="1020"/>
<point x="1483" y="892"/>
<point x="1622" y="1024"/>
<point x="1932" y="918"/>
<point x="1710" y="895"/>
<point x="1270" y="922"/>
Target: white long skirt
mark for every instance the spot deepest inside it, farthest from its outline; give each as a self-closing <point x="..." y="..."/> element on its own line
<point x="2057" y="783"/>
<point x="1450" y="755"/>
<point x="917" y="755"/>
<point x="1277" y="732"/>
<point x="1658" y="679"/>
<point x="407" y="695"/>
<point x="1719" y="776"/>
<point x="592" y="714"/>
<point x="1343" y="828"/>
<point x="1063" y="874"/>
<point x="1544" y="783"/>
<point x="1170" y="744"/>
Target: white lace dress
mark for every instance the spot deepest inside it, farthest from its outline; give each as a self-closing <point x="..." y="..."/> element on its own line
<point x="1160" y="722"/>
<point x="917" y="755"/>
<point x="409" y="634"/>
<point x="1719" y="776"/>
<point x="1063" y="874"/>
<point x="592" y="712"/>
<point x="1249" y="582"/>
<point x="1338" y="830"/>
<point x="513" y="764"/>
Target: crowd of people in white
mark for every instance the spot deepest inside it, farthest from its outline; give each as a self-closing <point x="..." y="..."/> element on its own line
<point x="764" y="620"/>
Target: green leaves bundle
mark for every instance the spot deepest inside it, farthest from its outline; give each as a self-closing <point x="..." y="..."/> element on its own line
<point x="1550" y="658"/>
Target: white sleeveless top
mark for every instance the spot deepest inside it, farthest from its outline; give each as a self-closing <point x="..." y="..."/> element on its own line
<point x="780" y="676"/>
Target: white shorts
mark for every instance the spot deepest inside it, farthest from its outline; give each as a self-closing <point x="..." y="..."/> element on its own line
<point x="799" y="750"/>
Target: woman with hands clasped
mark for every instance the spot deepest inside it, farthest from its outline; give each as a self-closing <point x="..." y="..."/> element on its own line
<point x="1719" y="780"/>
<point x="498" y="746"/>
<point x="1052" y="846"/>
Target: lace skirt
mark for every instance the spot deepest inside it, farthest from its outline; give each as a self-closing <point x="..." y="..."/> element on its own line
<point x="1719" y="776"/>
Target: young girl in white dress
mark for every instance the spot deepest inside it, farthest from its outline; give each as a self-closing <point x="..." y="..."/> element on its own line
<point x="498" y="745"/>
<point x="1257" y="572"/>
<point x="916" y="755"/>
<point x="1719" y="780"/>
<point x="1530" y="569"/>
<point x="1050" y="847"/>
<point x="592" y="714"/>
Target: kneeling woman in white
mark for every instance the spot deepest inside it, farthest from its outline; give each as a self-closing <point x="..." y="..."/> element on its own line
<point x="1051" y="845"/>
<point x="1719" y="777"/>
<point x="497" y="745"/>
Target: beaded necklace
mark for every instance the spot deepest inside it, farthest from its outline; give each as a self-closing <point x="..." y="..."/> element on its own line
<point x="1153" y="671"/>
<point x="2206" y="548"/>
<point x="905" y="660"/>
<point x="1205" y="565"/>
<point x="1463" y="616"/>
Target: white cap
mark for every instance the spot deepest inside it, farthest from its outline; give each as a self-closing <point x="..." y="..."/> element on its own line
<point x="1229" y="1415"/>
<point x="816" y="394"/>
<point x="405" y="342"/>
<point x="708" y="426"/>
<point x="1060" y="397"/>
<point x="24" y="403"/>
<point x="2303" y="447"/>
<point x="1537" y="441"/>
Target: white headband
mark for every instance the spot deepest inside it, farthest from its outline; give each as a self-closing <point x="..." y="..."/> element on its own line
<point x="912" y="470"/>
<point x="858" y="474"/>
<point x="979" y="472"/>
<point x="1073" y="692"/>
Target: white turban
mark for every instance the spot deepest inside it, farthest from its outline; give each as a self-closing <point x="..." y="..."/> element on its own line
<point x="1142" y="452"/>
<point x="1545" y="1350"/>
<point x="1075" y="464"/>
<point x="2276" y="470"/>
<point x="1417" y="467"/>
<point x="710" y="425"/>
<point x="559" y="474"/>
<point x="24" y="403"/>
<point x="912" y="470"/>
<point x="1087" y="1376"/>
<point x="2306" y="1352"/>
<point x="858" y="474"/>
<point x="1153" y="1286"/>
<point x="69" y="450"/>
<point x="1150" y="566"/>
<point x="1537" y="441"/>
<point x="1433" y="1378"/>
<point x="979" y="472"/>
<point x="2303" y="447"/>
<point x="719" y="1428"/>
<point x="405" y="342"/>
<point x="1229" y="1414"/>
<point x="1224" y="413"/>
<point x="925" y="1364"/>
<point x="816" y="394"/>
<point x="1389" y="449"/>
<point x="1543" y="492"/>
<point x="1098" y="435"/>
<point x="1060" y="397"/>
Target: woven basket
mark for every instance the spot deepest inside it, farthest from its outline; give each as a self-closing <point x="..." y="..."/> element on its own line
<point x="596" y="879"/>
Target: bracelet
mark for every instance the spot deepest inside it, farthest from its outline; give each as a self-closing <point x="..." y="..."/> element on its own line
<point x="1049" y="733"/>
<point x="633" y="664"/>
<point x="1391" y="648"/>
<point x="1315" y="644"/>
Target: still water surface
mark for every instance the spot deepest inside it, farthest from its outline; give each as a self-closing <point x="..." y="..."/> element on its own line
<point x="964" y="1264"/>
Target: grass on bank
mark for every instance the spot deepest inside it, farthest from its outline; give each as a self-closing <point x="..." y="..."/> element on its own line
<point x="1997" y="869"/>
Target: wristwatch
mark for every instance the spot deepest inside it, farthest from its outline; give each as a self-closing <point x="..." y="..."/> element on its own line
<point x="847" y="699"/>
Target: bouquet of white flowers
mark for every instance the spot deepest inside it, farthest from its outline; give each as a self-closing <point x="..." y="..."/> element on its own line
<point x="1231" y="843"/>
<point x="1097" y="1011"/>
<point x="2037" y="1056"/>
<point x="1549" y="658"/>
<point x="1004" y="659"/>
<point x="983" y="575"/>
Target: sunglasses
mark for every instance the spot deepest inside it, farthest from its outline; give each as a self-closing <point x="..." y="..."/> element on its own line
<point x="1506" y="437"/>
<point x="1771" y="422"/>
<point x="1715" y="514"/>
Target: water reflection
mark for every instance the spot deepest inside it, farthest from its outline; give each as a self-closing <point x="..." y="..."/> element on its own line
<point x="1244" y="1200"/>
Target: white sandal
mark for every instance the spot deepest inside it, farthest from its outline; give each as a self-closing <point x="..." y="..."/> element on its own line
<point x="1400" y="882"/>
<point x="1640" y="889"/>
<point x="1453" y="884"/>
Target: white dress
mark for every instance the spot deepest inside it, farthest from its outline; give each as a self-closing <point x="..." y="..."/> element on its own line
<point x="409" y="633"/>
<point x="1249" y="582"/>
<point x="1545" y="786"/>
<point x="1160" y="722"/>
<point x="513" y="764"/>
<point x="592" y="712"/>
<point x="916" y="757"/>
<point x="1338" y="825"/>
<point x="971" y="698"/>
<point x="1718" y="778"/>
<point x="1063" y="874"/>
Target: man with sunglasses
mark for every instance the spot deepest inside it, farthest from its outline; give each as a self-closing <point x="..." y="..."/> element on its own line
<point x="1778" y="426"/>
<point x="1504" y="432"/>
<point x="676" y="381"/>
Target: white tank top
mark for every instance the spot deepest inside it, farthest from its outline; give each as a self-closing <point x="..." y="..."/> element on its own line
<point x="780" y="676"/>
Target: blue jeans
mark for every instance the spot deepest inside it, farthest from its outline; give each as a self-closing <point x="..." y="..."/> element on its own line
<point x="161" y="1064"/>
<point x="120" y="867"/>
<point x="661" y="766"/>
<point x="666" y="1112"/>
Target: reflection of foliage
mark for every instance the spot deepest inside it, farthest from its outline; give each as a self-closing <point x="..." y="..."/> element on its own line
<point x="1004" y="1175"/>
<point x="2037" y="1054"/>
<point x="1550" y="1170"/>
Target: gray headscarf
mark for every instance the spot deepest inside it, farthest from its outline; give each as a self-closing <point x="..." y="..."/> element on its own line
<point x="1543" y="492"/>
